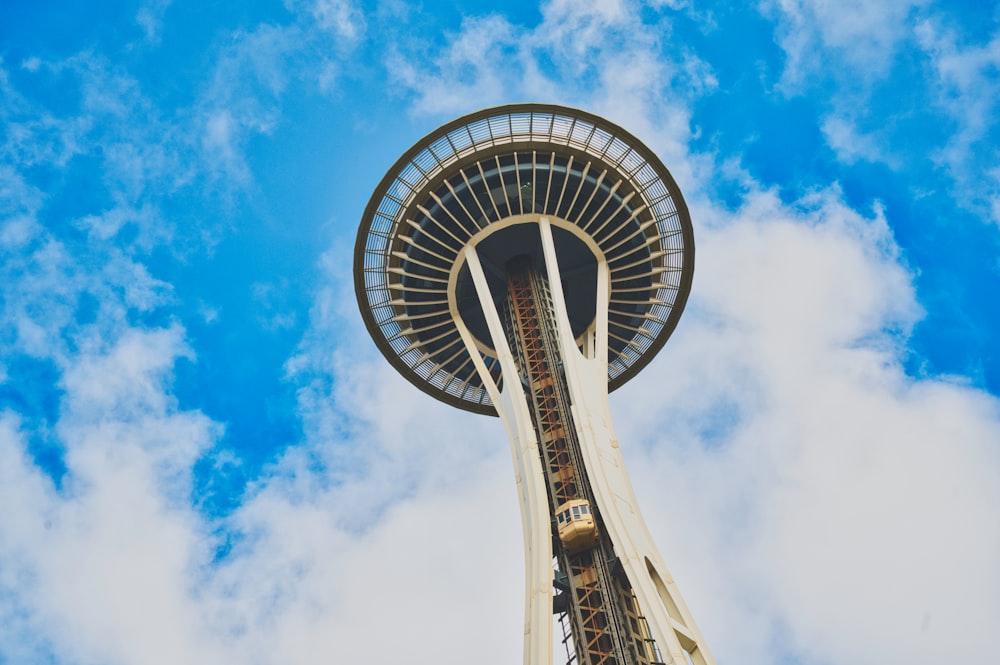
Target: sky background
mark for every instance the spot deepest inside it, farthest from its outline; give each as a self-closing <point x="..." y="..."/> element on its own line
<point x="204" y="459"/>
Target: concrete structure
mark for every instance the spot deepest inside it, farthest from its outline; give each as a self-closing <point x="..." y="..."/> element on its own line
<point x="523" y="261"/>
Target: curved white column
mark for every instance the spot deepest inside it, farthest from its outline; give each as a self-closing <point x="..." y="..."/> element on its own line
<point x="670" y="622"/>
<point x="512" y="407"/>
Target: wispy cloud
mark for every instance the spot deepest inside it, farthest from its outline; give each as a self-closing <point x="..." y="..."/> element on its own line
<point x="948" y="109"/>
<point x="150" y="18"/>
<point x="863" y="36"/>
<point x="969" y="94"/>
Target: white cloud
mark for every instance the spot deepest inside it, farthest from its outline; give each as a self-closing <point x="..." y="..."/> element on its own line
<point x="100" y="567"/>
<point x="431" y="571"/>
<point x="150" y="18"/>
<point x="477" y="68"/>
<point x="851" y="146"/>
<point x="34" y="136"/>
<point x="220" y="144"/>
<point x="863" y="35"/>
<point x="576" y="50"/>
<point x="132" y="152"/>
<point x="968" y="92"/>
<point x="240" y="101"/>
<point x="598" y="56"/>
<point x="39" y="317"/>
<point x="116" y="567"/>
<point x="125" y="382"/>
<point x="577" y="30"/>
<point x="993" y="192"/>
<point x="342" y="18"/>
<point x="19" y="203"/>
<point x="255" y="71"/>
<point x="853" y="49"/>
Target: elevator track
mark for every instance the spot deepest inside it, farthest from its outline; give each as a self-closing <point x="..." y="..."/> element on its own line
<point x="599" y="607"/>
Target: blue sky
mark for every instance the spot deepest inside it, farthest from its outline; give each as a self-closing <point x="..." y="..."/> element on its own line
<point x="204" y="458"/>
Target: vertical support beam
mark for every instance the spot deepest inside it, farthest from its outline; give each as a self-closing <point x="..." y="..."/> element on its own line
<point x="601" y="312"/>
<point x="670" y="623"/>
<point x="512" y="407"/>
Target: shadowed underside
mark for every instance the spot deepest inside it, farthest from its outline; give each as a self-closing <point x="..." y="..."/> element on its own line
<point x="484" y="180"/>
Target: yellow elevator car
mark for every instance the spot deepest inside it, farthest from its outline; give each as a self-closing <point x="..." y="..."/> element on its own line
<point x="576" y="525"/>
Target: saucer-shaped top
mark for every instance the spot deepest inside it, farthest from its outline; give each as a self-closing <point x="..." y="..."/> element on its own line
<point x="486" y="179"/>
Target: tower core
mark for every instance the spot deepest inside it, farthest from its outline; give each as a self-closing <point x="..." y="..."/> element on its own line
<point x="523" y="261"/>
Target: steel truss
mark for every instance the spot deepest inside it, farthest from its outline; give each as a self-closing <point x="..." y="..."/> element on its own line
<point x="602" y="635"/>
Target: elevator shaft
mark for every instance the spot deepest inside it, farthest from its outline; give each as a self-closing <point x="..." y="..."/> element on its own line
<point x="607" y="626"/>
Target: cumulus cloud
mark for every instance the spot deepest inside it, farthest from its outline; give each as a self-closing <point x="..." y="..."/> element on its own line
<point x="42" y="317"/>
<point x="796" y="470"/>
<point x="118" y="566"/>
<point x="99" y="567"/>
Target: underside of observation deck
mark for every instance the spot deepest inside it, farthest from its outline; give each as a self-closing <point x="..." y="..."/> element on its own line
<point x="481" y="181"/>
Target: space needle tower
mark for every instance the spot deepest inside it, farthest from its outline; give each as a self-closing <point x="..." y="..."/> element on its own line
<point x="524" y="261"/>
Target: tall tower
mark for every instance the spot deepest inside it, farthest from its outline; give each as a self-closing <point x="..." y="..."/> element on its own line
<point x="523" y="261"/>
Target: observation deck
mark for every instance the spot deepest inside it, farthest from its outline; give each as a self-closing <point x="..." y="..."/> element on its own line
<point x="486" y="179"/>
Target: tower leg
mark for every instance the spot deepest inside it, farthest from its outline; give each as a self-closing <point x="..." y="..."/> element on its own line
<point x="512" y="407"/>
<point x="669" y="620"/>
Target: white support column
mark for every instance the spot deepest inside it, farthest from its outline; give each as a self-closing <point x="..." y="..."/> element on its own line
<point x="512" y="407"/>
<point x="601" y="315"/>
<point x="670" y="622"/>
